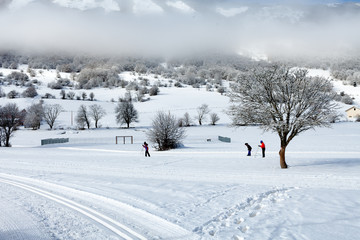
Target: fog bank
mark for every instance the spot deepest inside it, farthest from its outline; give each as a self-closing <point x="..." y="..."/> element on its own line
<point x="176" y="27"/>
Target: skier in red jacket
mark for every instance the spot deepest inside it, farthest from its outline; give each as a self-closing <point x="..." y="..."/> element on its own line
<point x="262" y="146"/>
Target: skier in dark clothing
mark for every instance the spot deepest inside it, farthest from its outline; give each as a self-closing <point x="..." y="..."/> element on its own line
<point x="146" y="146"/>
<point x="262" y="146"/>
<point x="249" y="149"/>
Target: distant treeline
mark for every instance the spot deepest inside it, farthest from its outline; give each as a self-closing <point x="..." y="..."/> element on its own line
<point x="210" y="70"/>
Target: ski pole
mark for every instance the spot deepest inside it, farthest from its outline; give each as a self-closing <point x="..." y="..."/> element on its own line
<point x="257" y="149"/>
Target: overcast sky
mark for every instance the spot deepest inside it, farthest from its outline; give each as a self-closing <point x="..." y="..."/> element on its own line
<point x="275" y="27"/>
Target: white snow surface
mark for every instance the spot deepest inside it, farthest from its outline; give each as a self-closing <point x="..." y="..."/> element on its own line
<point x="92" y="188"/>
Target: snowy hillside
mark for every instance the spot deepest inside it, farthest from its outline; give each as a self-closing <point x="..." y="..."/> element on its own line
<point x="339" y="87"/>
<point x="172" y="99"/>
<point x="92" y="188"/>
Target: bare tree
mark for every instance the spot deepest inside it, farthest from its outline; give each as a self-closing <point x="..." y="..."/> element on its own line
<point x="2" y="137"/>
<point x="139" y="95"/>
<point x="10" y="119"/>
<point x="214" y="118"/>
<point x="63" y="94"/>
<point x="126" y="113"/>
<point x="187" y="119"/>
<point x="202" y="111"/>
<point x="165" y="132"/>
<point x="97" y="112"/>
<point x="92" y="96"/>
<point x="83" y="95"/>
<point x="2" y="93"/>
<point x="70" y="95"/>
<point x="221" y="90"/>
<point x="34" y="116"/>
<point x="282" y="100"/>
<point x="51" y="112"/>
<point x="83" y="117"/>
<point x="128" y="96"/>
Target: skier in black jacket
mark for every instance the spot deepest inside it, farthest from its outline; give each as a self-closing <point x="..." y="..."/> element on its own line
<point x="249" y="149"/>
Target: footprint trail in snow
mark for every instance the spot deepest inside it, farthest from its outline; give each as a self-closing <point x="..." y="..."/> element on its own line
<point x="242" y="216"/>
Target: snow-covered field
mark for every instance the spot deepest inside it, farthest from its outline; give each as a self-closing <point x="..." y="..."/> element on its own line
<point x="92" y="188"/>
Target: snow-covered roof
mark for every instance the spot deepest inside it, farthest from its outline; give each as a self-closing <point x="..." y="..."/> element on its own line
<point x="353" y="107"/>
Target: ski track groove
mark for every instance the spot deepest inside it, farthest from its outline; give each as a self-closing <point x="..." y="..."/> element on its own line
<point x="158" y="224"/>
<point x="107" y="222"/>
<point x="203" y="152"/>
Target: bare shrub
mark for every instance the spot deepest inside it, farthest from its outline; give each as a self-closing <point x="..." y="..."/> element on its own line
<point x="166" y="133"/>
<point x="154" y="90"/>
<point x="30" y="92"/>
<point x="214" y="118"/>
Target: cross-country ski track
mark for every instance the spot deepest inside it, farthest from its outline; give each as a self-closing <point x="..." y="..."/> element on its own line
<point x="207" y="152"/>
<point x="65" y="196"/>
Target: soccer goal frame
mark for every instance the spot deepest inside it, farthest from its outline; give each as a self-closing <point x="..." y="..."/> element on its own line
<point x="124" y="137"/>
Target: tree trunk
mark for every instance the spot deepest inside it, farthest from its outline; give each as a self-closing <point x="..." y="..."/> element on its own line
<point x="7" y="140"/>
<point x="282" y="158"/>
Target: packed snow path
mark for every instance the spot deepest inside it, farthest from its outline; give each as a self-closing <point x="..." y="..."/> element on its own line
<point x="118" y="228"/>
<point x="148" y="221"/>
